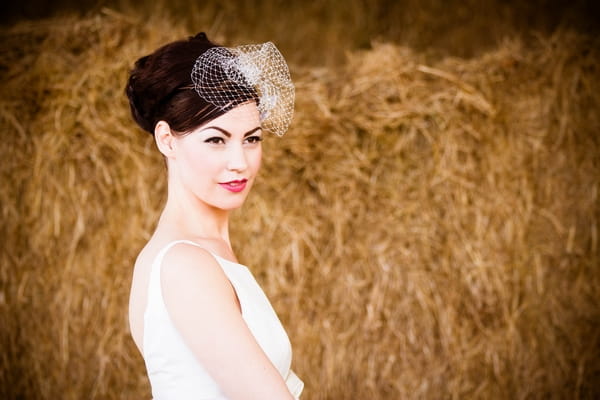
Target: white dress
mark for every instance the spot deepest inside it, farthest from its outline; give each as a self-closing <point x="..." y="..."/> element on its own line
<point x="174" y="371"/>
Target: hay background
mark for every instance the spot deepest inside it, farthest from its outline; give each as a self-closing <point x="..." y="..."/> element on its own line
<point x="427" y="229"/>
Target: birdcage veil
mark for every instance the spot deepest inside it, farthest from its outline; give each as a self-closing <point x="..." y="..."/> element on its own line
<point x="229" y="76"/>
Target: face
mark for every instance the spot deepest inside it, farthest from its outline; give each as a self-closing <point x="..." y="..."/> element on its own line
<point x="219" y="161"/>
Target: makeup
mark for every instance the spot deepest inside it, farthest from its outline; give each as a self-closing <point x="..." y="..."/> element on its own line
<point x="235" y="186"/>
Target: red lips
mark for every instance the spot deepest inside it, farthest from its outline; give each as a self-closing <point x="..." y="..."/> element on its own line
<point x="235" y="186"/>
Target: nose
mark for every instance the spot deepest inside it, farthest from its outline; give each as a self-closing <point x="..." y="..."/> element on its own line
<point x="237" y="159"/>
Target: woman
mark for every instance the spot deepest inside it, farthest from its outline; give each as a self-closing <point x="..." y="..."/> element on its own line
<point x="200" y="320"/>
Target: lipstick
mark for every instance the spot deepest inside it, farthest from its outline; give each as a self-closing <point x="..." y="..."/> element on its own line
<point x="235" y="186"/>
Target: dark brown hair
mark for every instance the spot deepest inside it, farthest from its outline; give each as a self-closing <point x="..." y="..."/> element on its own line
<point x="160" y="87"/>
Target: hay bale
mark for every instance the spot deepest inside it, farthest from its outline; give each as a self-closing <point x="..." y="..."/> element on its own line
<point x="425" y="230"/>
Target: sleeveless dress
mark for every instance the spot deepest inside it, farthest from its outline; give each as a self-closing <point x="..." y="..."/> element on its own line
<point x="174" y="371"/>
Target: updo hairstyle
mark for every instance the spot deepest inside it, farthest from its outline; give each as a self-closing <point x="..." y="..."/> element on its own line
<point x="160" y="88"/>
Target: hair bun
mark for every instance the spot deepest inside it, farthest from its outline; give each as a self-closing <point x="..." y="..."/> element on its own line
<point x="156" y="82"/>
<point x="199" y="36"/>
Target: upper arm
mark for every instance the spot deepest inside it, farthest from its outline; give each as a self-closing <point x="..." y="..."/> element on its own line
<point x="202" y="304"/>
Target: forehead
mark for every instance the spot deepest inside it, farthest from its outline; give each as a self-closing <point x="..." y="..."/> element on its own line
<point x="239" y="119"/>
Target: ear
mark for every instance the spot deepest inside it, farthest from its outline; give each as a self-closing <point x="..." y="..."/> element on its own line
<point x="165" y="141"/>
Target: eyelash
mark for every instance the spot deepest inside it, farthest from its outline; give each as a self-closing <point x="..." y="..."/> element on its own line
<point x="219" y="140"/>
<point x="215" y="140"/>
<point x="254" y="139"/>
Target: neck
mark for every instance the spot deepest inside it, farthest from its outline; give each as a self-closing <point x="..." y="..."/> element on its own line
<point x="187" y="217"/>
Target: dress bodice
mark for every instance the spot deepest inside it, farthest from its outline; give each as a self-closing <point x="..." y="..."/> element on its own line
<point x="174" y="371"/>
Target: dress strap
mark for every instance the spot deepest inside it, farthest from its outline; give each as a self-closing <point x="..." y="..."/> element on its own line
<point x="294" y="384"/>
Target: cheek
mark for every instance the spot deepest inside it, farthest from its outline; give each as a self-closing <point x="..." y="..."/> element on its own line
<point x="256" y="159"/>
<point x="202" y="164"/>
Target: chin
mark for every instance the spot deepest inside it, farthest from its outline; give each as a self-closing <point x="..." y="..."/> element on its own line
<point x="230" y="205"/>
<point x="233" y="207"/>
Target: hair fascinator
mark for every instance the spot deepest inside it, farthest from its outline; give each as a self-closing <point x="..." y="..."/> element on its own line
<point x="230" y="76"/>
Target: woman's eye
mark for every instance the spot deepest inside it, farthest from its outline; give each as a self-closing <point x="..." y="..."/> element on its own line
<point x="254" y="139"/>
<point x="215" y="140"/>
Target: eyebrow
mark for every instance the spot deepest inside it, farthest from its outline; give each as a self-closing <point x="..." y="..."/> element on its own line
<point x="228" y="134"/>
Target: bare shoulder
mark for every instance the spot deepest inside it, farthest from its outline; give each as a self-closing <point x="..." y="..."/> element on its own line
<point x="187" y="258"/>
<point x="192" y="272"/>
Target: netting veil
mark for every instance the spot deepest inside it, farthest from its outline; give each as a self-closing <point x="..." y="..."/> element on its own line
<point x="227" y="77"/>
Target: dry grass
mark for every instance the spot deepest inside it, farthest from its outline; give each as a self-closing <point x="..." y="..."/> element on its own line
<point x="425" y="230"/>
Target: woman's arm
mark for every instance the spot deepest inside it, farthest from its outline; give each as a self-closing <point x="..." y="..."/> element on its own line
<point x="204" y="308"/>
